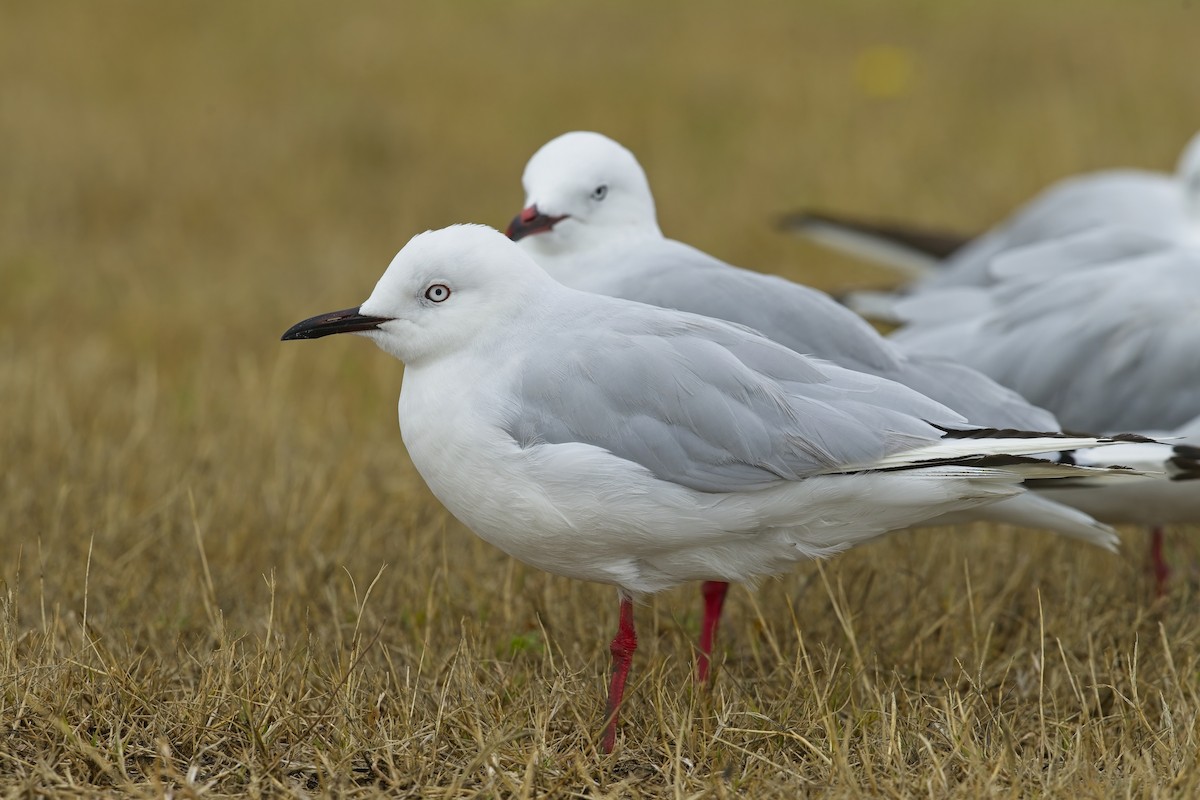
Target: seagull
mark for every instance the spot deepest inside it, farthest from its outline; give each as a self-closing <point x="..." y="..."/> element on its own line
<point x="1157" y="205"/>
<point x="1146" y="500"/>
<point x="590" y="221"/>
<point x="1110" y="345"/>
<point x="612" y="441"/>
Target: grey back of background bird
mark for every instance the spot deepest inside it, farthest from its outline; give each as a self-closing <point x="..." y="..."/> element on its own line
<point x="667" y="273"/>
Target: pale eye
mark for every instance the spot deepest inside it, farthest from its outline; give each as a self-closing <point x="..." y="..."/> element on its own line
<point x="438" y="293"/>
<point x="600" y="192"/>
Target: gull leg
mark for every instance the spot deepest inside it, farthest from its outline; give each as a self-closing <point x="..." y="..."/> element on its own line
<point x="623" y="645"/>
<point x="1158" y="562"/>
<point x="714" y="601"/>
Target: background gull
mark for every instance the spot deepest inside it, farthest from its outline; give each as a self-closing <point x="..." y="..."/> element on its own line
<point x="1146" y="205"/>
<point x="642" y="447"/>
<point x="590" y="221"/>
<point x="1110" y="345"/>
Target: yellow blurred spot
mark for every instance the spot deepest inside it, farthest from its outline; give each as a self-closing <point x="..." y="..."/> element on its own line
<point x="884" y="71"/>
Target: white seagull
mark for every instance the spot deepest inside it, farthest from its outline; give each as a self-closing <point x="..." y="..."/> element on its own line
<point x="1162" y="206"/>
<point x="1110" y="345"/>
<point x="641" y="447"/>
<point x="589" y="220"/>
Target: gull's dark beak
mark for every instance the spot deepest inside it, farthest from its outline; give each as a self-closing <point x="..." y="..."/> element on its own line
<point x="348" y="320"/>
<point x="529" y="222"/>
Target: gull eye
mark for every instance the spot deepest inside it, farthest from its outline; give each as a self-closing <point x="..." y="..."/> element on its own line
<point x="438" y="293"/>
<point x="600" y="192"/>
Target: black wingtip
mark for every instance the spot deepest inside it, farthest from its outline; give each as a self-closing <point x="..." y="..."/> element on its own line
<point x="937" y="244"/>
<point x="1013" y="433"/>
<point x="1184" y="464"/>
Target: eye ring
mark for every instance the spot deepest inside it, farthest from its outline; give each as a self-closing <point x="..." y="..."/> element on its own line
<point x="437" y="293"/>
<point x="600" y="192"/>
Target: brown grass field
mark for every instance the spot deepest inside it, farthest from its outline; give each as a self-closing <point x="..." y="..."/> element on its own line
<point x="220" y="574"/>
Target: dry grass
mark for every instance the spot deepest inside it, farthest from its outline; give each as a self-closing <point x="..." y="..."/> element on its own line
<point x="221" y="574"/>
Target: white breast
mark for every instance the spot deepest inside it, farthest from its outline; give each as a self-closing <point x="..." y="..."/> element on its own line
<point x="488" y="482"/>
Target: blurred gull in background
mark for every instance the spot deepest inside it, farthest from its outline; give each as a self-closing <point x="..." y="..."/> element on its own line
<point x="1084" y="301"/>
<point x="590" y="221"/>
<point x="1147" y="208"/>
<point x="642" y="447"/>
<point x="1111" y="345"/>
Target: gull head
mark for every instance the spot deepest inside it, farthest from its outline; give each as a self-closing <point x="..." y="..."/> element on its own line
<point x="444" y="291"/>
<point x="582" y="189"/>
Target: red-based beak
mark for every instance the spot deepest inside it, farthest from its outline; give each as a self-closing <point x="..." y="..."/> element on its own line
<point x="529" y="222"/>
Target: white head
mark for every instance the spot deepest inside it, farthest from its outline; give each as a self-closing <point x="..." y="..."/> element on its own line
<point x="1188" y="172"/>
<point x="442" y="291"/>
<point x="583" y="190"/>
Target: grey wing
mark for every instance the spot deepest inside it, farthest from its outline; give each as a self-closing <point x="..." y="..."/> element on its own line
<point x="1068" y="207"/>
<point x="1111" y="348"/>
<point x="711" y="406"/>
<point x="673" y="275"/>
<point x="968" y="391"/>
<point x="1087" y="249"/>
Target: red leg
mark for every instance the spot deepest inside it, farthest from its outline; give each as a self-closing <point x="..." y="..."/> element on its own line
<point x="1158" y="562"/>
<point x="714" y="600"/>
<point x="623" y="645"/>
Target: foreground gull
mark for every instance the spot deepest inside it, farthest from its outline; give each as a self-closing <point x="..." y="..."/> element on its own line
<point x="1156" y="205"/>
<point x="617" y="442"/>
